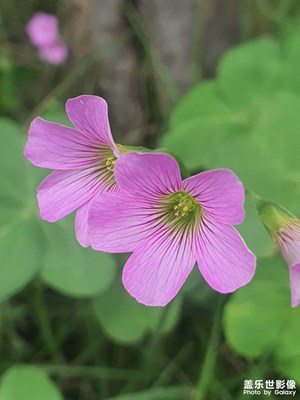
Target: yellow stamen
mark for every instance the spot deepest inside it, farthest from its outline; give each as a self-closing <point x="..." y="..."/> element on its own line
<point x="185" y="205"/>
<point x="110" y="164"/>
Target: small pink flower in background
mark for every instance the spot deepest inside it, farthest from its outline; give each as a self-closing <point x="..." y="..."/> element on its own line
<point x="284" y="228"/>
<point x="83" y="158"/>
<point x="42" y="29"/>
<point x="55" y="54"/>
<point x="170" y="224"/>
<point x="43" y="33"/>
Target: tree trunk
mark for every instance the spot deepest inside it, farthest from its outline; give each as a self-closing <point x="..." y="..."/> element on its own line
<point x="141" y="89"/>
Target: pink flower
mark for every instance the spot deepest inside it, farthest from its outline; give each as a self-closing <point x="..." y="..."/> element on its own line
<point x="42" y="29"/>
<point x="55" y="54"/>
<point x="83" y="158"/>
<point x="170" y="224"/>
<point x="284" y="228"/>
<point x="43" y="32"/>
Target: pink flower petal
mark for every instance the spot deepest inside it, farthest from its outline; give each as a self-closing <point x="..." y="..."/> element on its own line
<point x="89" y="114"/>
<point x="56" y="146"/>
<point x="295" y="284"/>
<point x="223" y="257"/>
<point x="81" y="224"/>
<point x="220" y="193"/>
<point x="62" y="192"/>
<point x="118" y="223"/>
<point x="158" y="268"/>
<point x="148" y="174"/>
<point x="288" y="241"/>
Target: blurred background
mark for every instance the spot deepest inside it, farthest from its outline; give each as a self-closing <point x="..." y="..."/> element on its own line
<point x="218" y="83"/>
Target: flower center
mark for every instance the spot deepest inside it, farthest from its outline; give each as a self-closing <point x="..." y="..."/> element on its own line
<point x="110" y="163"/>
<point x="181" y="210"/>
<point x="184" y="204"/>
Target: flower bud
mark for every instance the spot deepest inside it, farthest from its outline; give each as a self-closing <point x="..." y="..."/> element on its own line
<point x="284" y="229"/>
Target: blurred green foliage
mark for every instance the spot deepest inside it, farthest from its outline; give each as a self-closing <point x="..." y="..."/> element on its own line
<point x="258" y="319"/>
<point x="22" y="382"/>
<point x="63" y="311"/>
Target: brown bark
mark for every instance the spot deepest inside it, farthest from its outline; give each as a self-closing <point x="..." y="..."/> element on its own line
<point x="78" y="16"/>
<point x="96" y="25"/>
<point x="220" y="19"/>
<point x="171" y="26"/>
<point x="132" y="81"/>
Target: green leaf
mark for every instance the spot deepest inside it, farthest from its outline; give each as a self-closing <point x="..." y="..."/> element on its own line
<point x="264" y="312"/>
<point x="289" y="367"/>
<point x="20" y="179"/>
<point x="13" y="184"/>
<point x="261" y="174"/>
<point x="200" y="123"/>
<point x="163" y="320"/>
<point x="254" y="233"/>
<point x="290" y="78"/>
<point x="255" y="315"/>
<point x="21" y="241"/>
<point x="258" y="318"/>
<point x="196" y="288"/>
<point x="248" y="71"/>
<point x="9" y="96"/>
<point x="276" y="130"/>
<point x="112" y="310"/>
<point x="113" y="307"/>
<point x="202" y="102"/>
<point x="12" y="81"/>
<point x="194" y="141"/>
<point x="258" y="170"/>
<point x="20" y="252"/>
<point x="289" y="346"/>
<point x="27" y="382"/>
<point x="72" y="269"/>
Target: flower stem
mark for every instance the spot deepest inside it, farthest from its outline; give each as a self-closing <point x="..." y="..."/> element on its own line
<point x="84" y="371"/>
<point x="252" y="196"/>
<point x="207" y="371"/>
<point x="43" y="319"/>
